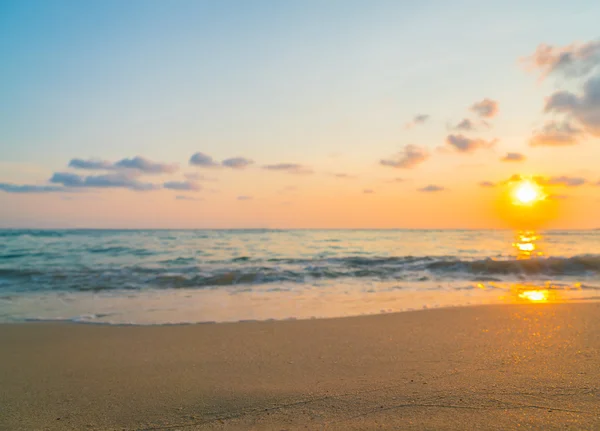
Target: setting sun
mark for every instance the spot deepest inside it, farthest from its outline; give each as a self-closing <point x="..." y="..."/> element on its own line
<point x="535" y="295"/>
<point x="527" y="193"/>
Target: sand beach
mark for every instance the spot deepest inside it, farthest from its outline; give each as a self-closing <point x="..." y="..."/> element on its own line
<point x="485" y="367"/>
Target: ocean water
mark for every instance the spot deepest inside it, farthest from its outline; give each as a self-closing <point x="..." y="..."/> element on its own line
<point x="170" y="276"/>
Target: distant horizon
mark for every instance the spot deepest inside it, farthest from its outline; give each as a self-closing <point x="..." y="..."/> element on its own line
<point x="293" y="229"/>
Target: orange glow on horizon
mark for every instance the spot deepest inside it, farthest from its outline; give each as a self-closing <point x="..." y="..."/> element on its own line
<point x="523" y="205"/>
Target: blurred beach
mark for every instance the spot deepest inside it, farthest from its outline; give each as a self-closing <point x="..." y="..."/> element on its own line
<point x="496" y="367"/>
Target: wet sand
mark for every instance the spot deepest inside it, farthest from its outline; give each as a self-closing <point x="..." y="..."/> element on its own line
<point x="488" y="367"/>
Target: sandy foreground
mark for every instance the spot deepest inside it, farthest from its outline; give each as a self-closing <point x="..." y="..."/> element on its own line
<point x="490" y="367"/>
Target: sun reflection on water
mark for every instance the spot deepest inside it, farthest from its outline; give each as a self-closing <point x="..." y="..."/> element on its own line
<point x="526" y="244"/>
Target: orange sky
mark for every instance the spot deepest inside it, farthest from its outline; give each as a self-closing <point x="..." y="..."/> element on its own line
<point x="276" y="118"/>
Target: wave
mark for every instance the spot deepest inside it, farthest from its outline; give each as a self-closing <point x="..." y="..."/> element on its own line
<point x="186" y="273"/>
<point x="552" y="266"/>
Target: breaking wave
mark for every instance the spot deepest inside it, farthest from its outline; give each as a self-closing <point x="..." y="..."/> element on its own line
<point x="189" y="273"/>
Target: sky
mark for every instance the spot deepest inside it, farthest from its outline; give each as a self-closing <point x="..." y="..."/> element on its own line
<point x="297" y="114"/>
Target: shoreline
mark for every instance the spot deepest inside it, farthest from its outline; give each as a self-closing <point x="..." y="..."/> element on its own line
<point x="492" y="367"/>
<point x="190" y="306"/>
<point x="590" y="300"/>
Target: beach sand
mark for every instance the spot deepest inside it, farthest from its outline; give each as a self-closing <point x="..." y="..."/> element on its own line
<point x="488" y="367"/>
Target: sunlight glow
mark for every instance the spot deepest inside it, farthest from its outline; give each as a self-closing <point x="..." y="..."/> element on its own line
<point x="535" y="295"/>
<point x="527" y="193"/>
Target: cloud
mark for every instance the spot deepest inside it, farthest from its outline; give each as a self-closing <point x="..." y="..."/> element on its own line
<point x="409" y="157"/>
<point x="244" y="198"/>
<point x="585" y="107"/>
<point x="186" y="198"/>
<point x="117" y="180"/>
<point x="562" y="180"/>
<point x="487" y="108"/>
<point x="431" y="189"/>
<point x="292" y="168"/>
<point x="465" y="125"/>
<point x="203" y="160"/>
<point x="368" y="191"/>
<point x="68" y="179"/>
<point x="28" y="188"/>
<point x="462" y="144"/>
<point x="573" y="60"/>
<point x="396" y="180"/>
<point x="513" y="157"/>
<point x="146" y="166"/>
<point x="559" y="180"/>
<point x="487" y="184"/>
<point x="138" y="163"/>
<point x="193" y="176"/>
<point x="514" y="178"/>
<point x="91" y="164"/>
<point x="417" y="119"/>
<point x="344" y="176"/>
<point x="555" y="134"/>
<point x="182" y="186"/>
<point x="237" y="162"/>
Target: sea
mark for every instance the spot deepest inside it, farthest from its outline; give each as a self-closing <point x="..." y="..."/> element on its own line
<point x="158" y="277"/>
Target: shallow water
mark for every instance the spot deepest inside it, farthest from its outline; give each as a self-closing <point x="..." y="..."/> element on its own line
<point x="165" y="276"/>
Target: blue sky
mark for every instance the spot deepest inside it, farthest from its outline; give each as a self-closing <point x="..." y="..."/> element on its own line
<point x="327" y="84"/>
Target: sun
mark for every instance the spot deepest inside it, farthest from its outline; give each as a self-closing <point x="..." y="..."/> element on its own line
<point x="527" y="192"/>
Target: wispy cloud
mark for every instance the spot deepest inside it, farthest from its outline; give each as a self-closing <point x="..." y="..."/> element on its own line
<point x="345" y="176"/>
<point x="557" y="180"/>
<point x="146" y="166"/>
<point x="487" y="108"/>
<point x="116" y="180"/>
<point x="513" y="179"/>
<point x="573" y="60"/>
<point x="513" y="157"/>
<point x="409" y="157"/>
<point x="462" y="144"/>
<point x="584" y="107"/>
<point x="396" y="180"/>
<point x="487" y="184"/>
<point x="368" y="191"/>
<point x="237" y="162"/>
<point x="562" y="180"/>
<point x="555" y="133"/>
<point x="29" y="188"/>
<point x="194" y="176"/>
<point x="182" y="186"/>
<point x="203" y="160"/>
<point x="465" y="125"/>
<point x="186" y="198"/>
<point x="91" y="164"/>
<point x="431" y="189"/>
<point x="138" y="164"/>
<point x="244" y="198"/>
<point x="578" y="62"/>
<point x="417" y="119"/>
<point x="292" y="168"/>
